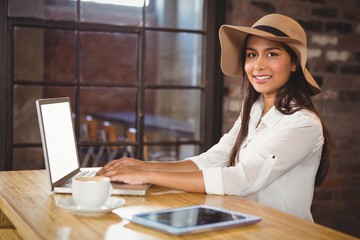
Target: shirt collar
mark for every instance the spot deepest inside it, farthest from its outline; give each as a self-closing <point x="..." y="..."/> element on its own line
<point x="272" y="117"/>
<point x="269" y="119"/>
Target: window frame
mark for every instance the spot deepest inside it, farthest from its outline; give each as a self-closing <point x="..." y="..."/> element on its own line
<point x="212" y="86"/>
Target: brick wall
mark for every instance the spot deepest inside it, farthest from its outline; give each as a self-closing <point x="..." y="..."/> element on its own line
<point x="333" y="31"/>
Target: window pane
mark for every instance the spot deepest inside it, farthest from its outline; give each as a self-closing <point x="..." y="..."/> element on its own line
<point x="114" y="12"/>
<point x="44" y="9"/>
<point x="173" y="58"/>
<point x="172" y="119"/>
<point x="99" y="108"/>
<point x="44" y="55"/>
<point x="181" y="14"/>
<point x="99" y="122"/>
<point x="25" y="122"/>
<point x="109" y="58"/>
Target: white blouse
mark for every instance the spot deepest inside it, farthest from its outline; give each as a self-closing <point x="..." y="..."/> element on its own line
<point x="276" y="165"/>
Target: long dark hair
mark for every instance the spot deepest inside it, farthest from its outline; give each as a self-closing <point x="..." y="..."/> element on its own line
<point x="292" y="97"/>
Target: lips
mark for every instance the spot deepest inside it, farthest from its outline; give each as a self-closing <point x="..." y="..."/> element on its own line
<point x="262" y="79"/>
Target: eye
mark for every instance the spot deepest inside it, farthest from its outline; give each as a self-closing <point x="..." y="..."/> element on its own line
<point x="250" y="55"/>
<point x="272" y="54"/>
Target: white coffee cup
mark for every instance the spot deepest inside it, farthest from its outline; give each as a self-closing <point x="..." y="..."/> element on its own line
<point x="91" y="192"/>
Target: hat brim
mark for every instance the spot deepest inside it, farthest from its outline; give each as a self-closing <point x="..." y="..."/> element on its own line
<point x="232" y="40"/>
<point x="315" y="88"/>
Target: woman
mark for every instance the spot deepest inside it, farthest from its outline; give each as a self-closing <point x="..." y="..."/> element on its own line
<point x="278" y="148"/>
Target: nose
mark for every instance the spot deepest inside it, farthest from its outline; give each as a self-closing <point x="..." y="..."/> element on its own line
<point x="260" y="63"/>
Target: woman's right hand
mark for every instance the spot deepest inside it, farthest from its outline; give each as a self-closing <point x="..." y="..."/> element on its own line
<point x="122" y="161"/>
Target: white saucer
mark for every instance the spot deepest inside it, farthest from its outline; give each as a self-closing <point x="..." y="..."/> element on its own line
<point x="70" y="205"/>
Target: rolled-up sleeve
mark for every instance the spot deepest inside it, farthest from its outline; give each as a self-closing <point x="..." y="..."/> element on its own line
<point x="237" y="179"/>
<point x="213" y="180"/>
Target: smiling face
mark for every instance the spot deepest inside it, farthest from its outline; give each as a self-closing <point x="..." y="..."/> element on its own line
<point x="267" y="65"/>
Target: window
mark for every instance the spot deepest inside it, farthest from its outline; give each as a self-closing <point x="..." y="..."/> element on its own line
<point x="137" y="73"/>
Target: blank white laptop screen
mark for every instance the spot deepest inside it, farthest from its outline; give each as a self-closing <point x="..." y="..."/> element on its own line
<point x="60" y="139"/>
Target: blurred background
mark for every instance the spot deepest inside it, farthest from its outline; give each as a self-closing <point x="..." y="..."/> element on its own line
<point x="144" y="81"/>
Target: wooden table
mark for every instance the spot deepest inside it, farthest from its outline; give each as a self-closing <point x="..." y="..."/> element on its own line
<point x="27" y="204"/>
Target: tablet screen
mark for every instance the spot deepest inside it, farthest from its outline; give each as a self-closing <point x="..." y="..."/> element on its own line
<point x="193" y="219"/>
<point x="189" y="217"/>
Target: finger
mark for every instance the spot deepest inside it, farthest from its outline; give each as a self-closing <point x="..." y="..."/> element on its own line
<point x="115" y="174"/>
<point x="114" y="163"/>
<point x="110" y="164"/>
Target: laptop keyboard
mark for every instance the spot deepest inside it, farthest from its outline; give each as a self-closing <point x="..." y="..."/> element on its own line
<point x="80" y="174"/>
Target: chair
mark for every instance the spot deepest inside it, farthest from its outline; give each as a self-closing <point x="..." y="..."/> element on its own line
<point x="131" y="137"/>
<point x="90" y="133"/>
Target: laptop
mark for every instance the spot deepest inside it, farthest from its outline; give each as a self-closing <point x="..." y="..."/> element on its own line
<point x="60" y="149"/>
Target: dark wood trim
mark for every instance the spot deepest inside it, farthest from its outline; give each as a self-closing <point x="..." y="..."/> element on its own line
<point x="4" y="161"/>
<point x="213" y="76"/>
<point x="86" y="26"/>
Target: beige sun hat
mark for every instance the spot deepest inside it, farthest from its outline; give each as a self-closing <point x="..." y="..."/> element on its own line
<point x="274" y="27"/>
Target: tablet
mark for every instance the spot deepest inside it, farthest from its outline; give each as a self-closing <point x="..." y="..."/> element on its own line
<point x="193" y="219"/>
